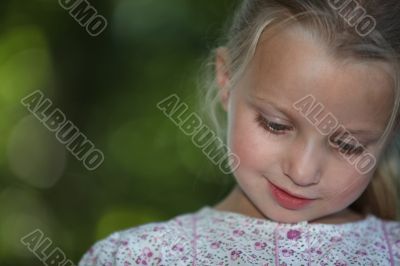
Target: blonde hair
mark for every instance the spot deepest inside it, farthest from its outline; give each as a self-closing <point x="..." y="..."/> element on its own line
<point x="337" y="28"/>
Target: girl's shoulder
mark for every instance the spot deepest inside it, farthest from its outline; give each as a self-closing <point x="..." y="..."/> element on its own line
<point x="147" y="244"/>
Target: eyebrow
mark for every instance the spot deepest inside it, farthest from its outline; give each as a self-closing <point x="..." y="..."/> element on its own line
<point x="361" y="135"/>
<point x="282" y="109"/>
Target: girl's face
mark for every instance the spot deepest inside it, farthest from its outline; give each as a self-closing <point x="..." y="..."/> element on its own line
<point x="280" y="148"/>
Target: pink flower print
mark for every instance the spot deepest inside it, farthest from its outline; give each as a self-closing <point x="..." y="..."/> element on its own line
<point x="147" y="252"/>
<point x="141" y="260"/>
<point x="361" y="252"/>
<point x="260" y="245"/>
<point x="215" y="245"/>
<point x="145" y="256"/>
<point x="217" y="220"/>
<point x="235" y="254"/>
<point x="318" y="251"/>
<point x="177" y="247"/>
<point x="127" y="263"/>
<point x="336" y="239"/>
<point x="293" y="234"/>
<point x="238" y="232"/>
<point x="158" y="228"/>
<point x="124" y="242"/>
<point x="380" y="245"/>
<point x="370" y="228"/>
<point x="287" y="252"/>
<point x="340" y="263"/>
<point x="144" y="236"/>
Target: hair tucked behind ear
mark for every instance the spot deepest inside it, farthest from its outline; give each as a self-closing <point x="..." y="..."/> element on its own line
<point x="336" y="29"/>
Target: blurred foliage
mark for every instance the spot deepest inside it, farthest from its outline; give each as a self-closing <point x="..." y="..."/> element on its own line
<point x="109" y="87"/>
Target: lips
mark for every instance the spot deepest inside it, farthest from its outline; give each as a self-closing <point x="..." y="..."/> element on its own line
<point x="291" y="194"/>
<point x="288" y="200"/>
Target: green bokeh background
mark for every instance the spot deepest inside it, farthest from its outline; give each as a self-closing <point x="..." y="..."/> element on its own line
<point x="109" y="87"/>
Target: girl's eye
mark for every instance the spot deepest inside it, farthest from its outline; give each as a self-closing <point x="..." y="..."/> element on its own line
<point x="279" y="129"/>
<point x="271" y="127"/>
<point x="347" y="148"/>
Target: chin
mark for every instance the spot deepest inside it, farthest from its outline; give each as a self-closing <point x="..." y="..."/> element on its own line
<point x="287" y="216"/>
<point x="273" y="211"/>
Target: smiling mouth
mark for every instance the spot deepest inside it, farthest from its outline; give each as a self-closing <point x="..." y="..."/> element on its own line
<point x="292" y="194"/>
<point x="288" y="200"/>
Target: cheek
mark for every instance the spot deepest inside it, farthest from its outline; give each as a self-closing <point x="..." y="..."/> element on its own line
<point x="348" y="188"/>
<point x="256" y="148"/>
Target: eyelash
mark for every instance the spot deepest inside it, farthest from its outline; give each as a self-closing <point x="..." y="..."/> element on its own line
<point x="271" y="127"/>
<point x="347" y="148"/>
<point x="278" y="129"/>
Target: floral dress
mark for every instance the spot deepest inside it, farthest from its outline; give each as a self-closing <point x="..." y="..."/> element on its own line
<point x="212" y="237"/>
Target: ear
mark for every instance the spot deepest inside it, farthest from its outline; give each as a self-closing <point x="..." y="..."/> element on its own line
<point x="222" y="75"/>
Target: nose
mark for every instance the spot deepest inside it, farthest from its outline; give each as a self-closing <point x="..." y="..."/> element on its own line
<point x="303" y="163"/>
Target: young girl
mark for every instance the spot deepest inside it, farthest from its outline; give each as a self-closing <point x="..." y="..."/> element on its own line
<point x="311" y="96"/>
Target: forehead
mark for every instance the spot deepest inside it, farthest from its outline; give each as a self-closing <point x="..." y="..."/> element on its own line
<point x="291" y="64"/>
